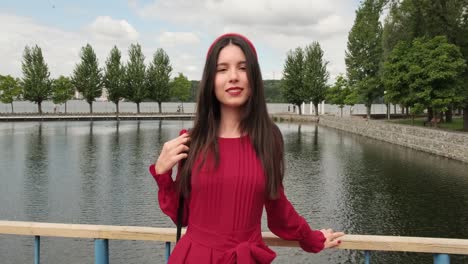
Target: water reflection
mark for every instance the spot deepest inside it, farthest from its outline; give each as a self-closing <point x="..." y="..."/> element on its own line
<point x="364" y="186"/>
<point x="96" y="172"/>
<point x="137" y="160"/>
<point x="316" y="136"/>
<point x="115" y="162"/>
<point x="36" y="180"/>
<point x="88" y="168"/>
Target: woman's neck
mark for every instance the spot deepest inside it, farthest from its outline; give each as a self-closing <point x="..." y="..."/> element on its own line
<point x="229" y="126"/>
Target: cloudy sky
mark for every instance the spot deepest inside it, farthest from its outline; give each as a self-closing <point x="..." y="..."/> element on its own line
<point x="183" y="28"/>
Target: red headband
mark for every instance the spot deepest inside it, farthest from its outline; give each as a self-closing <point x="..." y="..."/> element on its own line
<point x="231" y="35"/>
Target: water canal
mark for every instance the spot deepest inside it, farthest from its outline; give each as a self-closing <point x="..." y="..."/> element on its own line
<point x="96" y="173"/>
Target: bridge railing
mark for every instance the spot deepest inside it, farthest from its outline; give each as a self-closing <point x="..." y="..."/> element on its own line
<point x="441" y="248"/>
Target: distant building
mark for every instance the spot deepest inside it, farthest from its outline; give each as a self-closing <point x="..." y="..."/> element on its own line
<point x="78" y="95"/>
<point x="103" y="98"/>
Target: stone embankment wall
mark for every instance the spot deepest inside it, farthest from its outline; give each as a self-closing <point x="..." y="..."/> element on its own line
<point x="440" y="142"/>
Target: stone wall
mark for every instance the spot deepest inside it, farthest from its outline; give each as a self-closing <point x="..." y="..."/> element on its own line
<point x="440" y="142"/>
<point x="285" y="117"/>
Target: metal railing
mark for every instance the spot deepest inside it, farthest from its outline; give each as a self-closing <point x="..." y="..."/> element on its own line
<point x="441" y="248"/>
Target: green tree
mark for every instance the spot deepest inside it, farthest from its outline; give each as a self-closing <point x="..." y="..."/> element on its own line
<point x="135" y="71"/>
<point x="181" y="89"/>
<point x="352" y="98"/>
<point x="158" y="78"/>
<point x="430" y="69"/>
<point x="194" y="90"/>
<point x="315" y="75"/>
<point x="62" y="90"/>
<point x="36" y="83"/>
<point x="442" y="66"/>
<point x="87" y="76"/>
<point x="364" y="54"/>
<point x="273" y="91"/>
<point x="410" y="19"/>
<point x="114" y="78"/>
<point x="10" y="90"/>
<point x="462" y="42"/>
<point x="338" y="93"/>
<point x="293" y="78"/>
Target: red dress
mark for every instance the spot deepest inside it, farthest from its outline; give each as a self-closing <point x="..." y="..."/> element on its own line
<point x="223" y="213"/>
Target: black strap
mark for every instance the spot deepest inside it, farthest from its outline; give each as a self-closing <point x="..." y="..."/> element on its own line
<point x="180" y="216"/>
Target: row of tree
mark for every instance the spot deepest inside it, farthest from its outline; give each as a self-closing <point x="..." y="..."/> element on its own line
<point x="120" y="81"/>
<point x="305" y="76"/>
<point x="133" y="81"/>
<point x="416" y="59"/>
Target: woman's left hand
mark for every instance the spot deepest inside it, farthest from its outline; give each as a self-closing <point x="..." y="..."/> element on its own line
<point x="331" y="238"/>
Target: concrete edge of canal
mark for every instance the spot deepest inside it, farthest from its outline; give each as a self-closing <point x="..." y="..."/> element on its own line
<point x="444" y="143"/>
<point x="95" y="117"/>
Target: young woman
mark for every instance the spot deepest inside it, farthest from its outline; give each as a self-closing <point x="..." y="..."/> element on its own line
<point x="231" y="165"/>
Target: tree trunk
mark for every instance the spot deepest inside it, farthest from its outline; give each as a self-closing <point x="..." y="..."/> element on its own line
<point x="182" y="104"/>
<point x="402" y="108"/>
<point x="430" y="114"/>
<point x="138" y="108"/>
<point x="12" y="108"/>
<point x="91" y="107"/>
<point x="65" y="107"/>
<point x="394" y="109"/>
<point x="316" y="135"/>
<point x="465" y="118"/>
<point x="117" y="109"/>
<point x="341" y="111"/>
<point x="388" y="111"/>
<point x="300" y="109"/>
<point x="39" y="107"/>
<point x="449" y="115"/>
<point x="160" y="107"/>
<point x="368" y="110"/>
<point x="316" y="109"/>
<point x="459" y="111"/>
<point x="407" y="110"/>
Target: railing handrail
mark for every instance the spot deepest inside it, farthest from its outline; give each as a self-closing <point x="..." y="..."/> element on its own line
<point x="355" y="242"/>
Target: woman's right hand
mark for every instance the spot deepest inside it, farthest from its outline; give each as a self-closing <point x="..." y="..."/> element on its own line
<point x="331" y="238"/>
<point x="172" y="152"/>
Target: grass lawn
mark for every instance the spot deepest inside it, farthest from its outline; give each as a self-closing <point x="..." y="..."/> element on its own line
<point x="456" y="125"/>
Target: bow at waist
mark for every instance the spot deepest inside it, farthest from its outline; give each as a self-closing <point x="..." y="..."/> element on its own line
<point x="244" y="246"/>
<point x="248" y="252"/>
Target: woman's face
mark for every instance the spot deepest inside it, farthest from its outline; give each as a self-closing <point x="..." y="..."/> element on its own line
<point x="232" y="86"/>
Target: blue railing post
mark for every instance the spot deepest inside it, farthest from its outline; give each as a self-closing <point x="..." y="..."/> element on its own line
<point x="168" y="251"/>
<point x="441" y="259"/>
<point x="367" y="257"/>
<point x="37" y="249"/>
<point x="101" y="251"/>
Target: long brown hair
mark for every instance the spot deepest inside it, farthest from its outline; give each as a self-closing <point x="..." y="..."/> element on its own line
<point x="255" y="121"/>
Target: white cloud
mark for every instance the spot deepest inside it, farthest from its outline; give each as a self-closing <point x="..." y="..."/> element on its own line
<point x="277" y="16"/>
<point x="60" y="48"/>
<point x="106" y="27"/>
<point x="185" y="29"/>
<point x="170" y="39"/>
<point x="275" y="25"/>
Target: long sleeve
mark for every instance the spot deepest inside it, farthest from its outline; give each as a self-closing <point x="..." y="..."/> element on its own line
<point x="285" y="222"/>
<point x="168" y="195"/>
